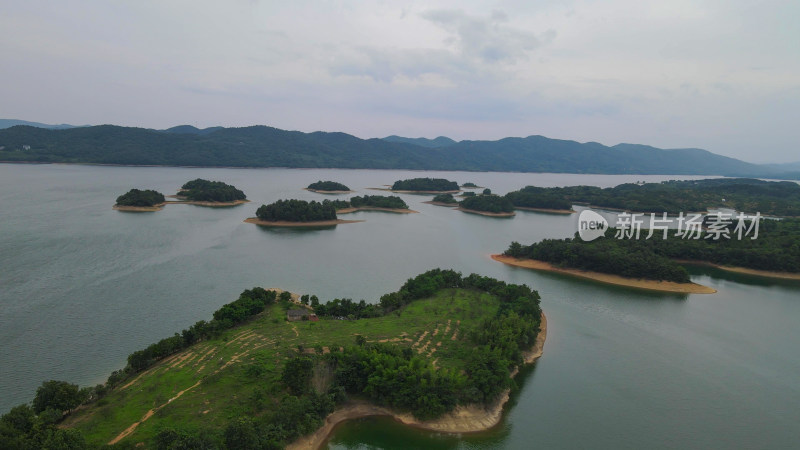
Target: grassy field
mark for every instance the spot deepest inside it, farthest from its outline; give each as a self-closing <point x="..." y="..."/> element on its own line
<point x="238" y="374"/>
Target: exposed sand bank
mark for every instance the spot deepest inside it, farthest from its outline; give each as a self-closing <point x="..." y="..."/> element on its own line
<point x="157" y="207"/>
<point x="485" y="213"/>
<point x="452" y="205"/>
<point x="284" y="223"/>
<point x="318" y="191"/>
<point x="546" y="210"/>
<point x="376" y="208"/>
<point x="743" y="270"/>
<point x="663" y="286"/>
<point x="464" y="419"/>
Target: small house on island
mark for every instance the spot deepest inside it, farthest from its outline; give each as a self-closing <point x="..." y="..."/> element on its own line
<point x="294" y="315"/>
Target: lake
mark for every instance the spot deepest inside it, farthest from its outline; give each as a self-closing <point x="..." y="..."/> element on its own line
<point x="84" y="285"/>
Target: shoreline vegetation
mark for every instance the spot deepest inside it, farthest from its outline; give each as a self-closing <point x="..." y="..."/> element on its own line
<point x="403" y="191"/>
<point x="422" y="186"/>
<point x="769" y="198"/>
<point x="136" y="200"/>
<point x="130" y="208"/>
<point x="328" y="187"/>
<point x="287" y="224"/>
<point x="464" y="419"/>
<point x="320" y="191"/>
<point x="451" y="205"/>
<point x="640" y="283"/>
<point x="485" y="213"/>
<point x="546" y="210"/>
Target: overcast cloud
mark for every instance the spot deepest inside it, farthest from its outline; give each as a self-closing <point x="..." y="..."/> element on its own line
<point x="719" y="75"/>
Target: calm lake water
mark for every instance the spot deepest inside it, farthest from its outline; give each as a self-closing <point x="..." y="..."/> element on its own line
<point x="82" y="286"/>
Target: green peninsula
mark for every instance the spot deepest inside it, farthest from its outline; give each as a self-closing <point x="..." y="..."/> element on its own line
<point x="254" y="377"/>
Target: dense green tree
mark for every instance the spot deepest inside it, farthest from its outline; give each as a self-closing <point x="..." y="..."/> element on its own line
<point x="445" y="198"/>
<point x="135" y="197"/>
<point x="296" y="211"/>
<point x="328" y="186"/>
<point x="487" y="203"/>
<point x="59" y="395"/>
<point x="425" y="184"/>
<point x="379" y="201"/>
<point x="210" y="191"/>
<point x="297" y="375"/>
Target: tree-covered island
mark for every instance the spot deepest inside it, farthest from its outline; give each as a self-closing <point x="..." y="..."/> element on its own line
<point x="297" y="213"/>
<point x="487" y="205"/>
<point x="774" y="198"/>
<point x="388" y="203"/>
<point x="539" y="199"/>
<point x="426" y="186"/>
<point x="443" y="200"/>
<point x="210" y="193"/>
<point x="328" y="187"/>
<point x="140" y="200"/>
<point x="250" y="378"/>
<point x="774" y="253"/>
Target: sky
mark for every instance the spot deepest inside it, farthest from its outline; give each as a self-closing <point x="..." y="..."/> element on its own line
<point x="719" y="75"/>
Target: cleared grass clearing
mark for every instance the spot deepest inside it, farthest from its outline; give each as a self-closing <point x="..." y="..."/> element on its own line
<point x="239" y="372"/>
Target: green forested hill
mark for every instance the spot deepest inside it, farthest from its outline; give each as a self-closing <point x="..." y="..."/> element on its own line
<point x="261" y="146"/>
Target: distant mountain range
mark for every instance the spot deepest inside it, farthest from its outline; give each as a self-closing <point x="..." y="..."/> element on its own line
<point x="8" y="123"/>
<point x="261" y="146"/>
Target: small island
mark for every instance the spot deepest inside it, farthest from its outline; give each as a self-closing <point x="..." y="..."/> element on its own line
<point x="443" y="200"/>
<point x="487" y="205"/>
<point x="210" y="193"/>
<point x="470" y="185"/>
<point x="328" y="187"/>
<point x="531" y="198"/>
<point x="391" y="203"/>
<point x="297" y="213"/>
<point x="424" y="186"/>
<point x="272" y="369"/>
<point x="137" y="200"/>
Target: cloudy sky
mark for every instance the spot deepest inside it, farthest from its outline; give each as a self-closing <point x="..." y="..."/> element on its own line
<point x="720" y="75"/>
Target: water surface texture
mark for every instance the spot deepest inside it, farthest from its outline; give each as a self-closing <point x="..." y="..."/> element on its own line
<point x="82" y="286"/>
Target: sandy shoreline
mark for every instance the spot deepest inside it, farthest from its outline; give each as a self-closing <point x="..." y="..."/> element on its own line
<point x="485" y="213"/>
<point x="546" y="210"/>
<point x="375" y="208"/>
<point x="451" y="205"/>
<point x="284" y="223"/>
<point x="328" y="192"/>
<point x="464" y="419"/>
<point x="742" y="270"/>
<point x="157" y="207"/>
<point x="663" y="286"/>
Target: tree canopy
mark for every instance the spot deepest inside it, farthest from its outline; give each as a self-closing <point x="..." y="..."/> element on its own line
<point x="379" y="201"/>
<point x="328" y="186"/>
<point x="487" y="203"/>
<point x="135" y="197"/>
<point x="425" y="184"/>
<point x="210" y="191"/>
<point x="779" y="198"/>
<point x="296" y="211"/>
